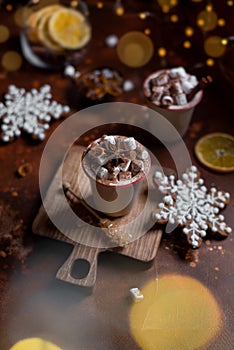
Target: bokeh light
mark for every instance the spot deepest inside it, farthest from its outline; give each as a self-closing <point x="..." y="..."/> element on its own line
<point x="162" y="52"/>
<point x="214" y="46"/>
<point x="11" y="61"/>
<point x="4" y="33"/>
<point x="9" y="7"/>
<point x="147" y="31"/>
<point x="187" y="44"/>
<point x="221" y="22"/>
<point x="210" y="62"/>
<point x="207" y="19"/>
<point x="143" y="15"/>
<point x="100" y="5"/>
<point x="189" y="31"/>
<point x="174" y="18"/>
<point x="169" y="3"/>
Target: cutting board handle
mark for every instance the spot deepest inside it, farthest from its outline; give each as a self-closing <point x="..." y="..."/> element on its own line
<point x="84" y="260"/>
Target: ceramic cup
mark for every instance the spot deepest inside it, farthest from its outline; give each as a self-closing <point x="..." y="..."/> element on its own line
<point x="114" y="199"/>
<point x="178" y="116"/>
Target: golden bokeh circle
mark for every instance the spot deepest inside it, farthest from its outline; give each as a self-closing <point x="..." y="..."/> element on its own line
<point x="4" y="33"/>
<point x="207" y="20"/>
<point x="221" y="22"/>
<point x="174" y="18"/>
<point x="135" y="49"/>
<point x="178" y="312"/>
<point x="11" y="61"/>
<point x="162" y="52"/>
<point x="189" y="31"/>
<point x="19" y="16"/>
<point x="168" y="3"/>
<point x="187" y="44"/>
<point x="214" y="46"/>
<point x="210" y="62"/>
<point x="34" y="344"/>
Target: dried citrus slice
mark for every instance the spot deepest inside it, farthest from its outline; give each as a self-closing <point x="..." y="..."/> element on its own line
<point x="35" y="17"/>
<point x="43" y="33"/>
<point x="216" y="151"/>
<point x="69" y="28"/>
<point x="34" y="21"/>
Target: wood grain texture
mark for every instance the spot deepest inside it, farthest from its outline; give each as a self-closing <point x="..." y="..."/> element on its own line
<point x="89" y="240"/>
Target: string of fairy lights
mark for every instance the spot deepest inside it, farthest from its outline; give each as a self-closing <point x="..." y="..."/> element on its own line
<point x="207" y="20"/>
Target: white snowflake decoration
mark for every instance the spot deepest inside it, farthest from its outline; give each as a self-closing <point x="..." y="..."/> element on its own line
<point x="188" y="203"/>
<point x="29" y="112"/>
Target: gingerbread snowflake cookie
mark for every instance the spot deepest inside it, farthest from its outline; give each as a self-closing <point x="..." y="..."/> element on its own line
<point x="188" y="203"/>
<point x="28" y="112"/>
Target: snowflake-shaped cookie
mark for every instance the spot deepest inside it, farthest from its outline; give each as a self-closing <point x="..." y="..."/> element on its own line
<point x="28" y="112"/>
<point x="188" y="203"/>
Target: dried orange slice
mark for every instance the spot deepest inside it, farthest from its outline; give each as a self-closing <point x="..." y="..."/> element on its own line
<point x="69" y="28"/>
<point x="34" y="20"/>
<point x="35" y="17"/>
<point x="43" y="33"/>
<point x="216" y="151"/>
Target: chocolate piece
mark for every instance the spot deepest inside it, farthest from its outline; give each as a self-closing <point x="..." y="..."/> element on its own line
<point x="124" y="166"/>
<point x="116" y="158"/>
<point x="176" y="88"/>
<point x="136" y="166"/>
<point x="139" y="164"/>
<point x="126" y="175"/>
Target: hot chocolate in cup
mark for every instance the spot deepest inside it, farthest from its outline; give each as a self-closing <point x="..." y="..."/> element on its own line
<point x="166" y="92"/>
<point x="116" y="166"/>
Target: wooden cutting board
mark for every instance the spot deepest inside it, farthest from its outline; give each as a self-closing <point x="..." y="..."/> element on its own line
<point x="85" y="239"/>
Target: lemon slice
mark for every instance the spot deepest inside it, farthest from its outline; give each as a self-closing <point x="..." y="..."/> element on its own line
<point x="69" y="29"/>
<point x="216" y="151"/>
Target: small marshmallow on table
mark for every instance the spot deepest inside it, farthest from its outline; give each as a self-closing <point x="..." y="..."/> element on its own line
<point x="136" y="294"/>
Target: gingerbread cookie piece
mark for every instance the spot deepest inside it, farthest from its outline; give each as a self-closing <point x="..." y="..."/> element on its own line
<point x="188" y="203"/>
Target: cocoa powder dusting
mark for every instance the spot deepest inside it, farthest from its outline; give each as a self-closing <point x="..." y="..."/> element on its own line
<point x="12" y="235"/>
